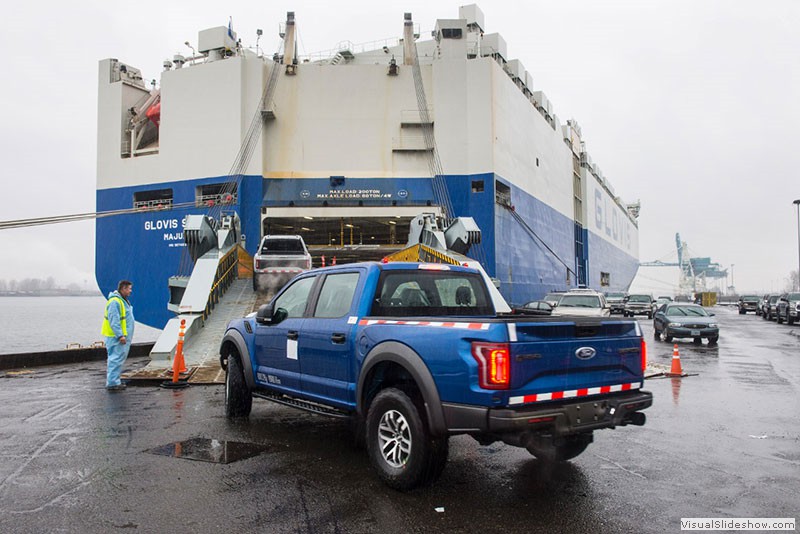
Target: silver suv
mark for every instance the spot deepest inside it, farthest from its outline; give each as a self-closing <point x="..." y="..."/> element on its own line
<point x="582" y="302"/>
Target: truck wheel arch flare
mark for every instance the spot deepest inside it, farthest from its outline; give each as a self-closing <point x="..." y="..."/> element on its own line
<point x="237" y="340"/>
<point x="391" y="351"/>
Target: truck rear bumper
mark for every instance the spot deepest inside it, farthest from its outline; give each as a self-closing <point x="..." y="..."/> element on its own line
<point x="560" y="419"/>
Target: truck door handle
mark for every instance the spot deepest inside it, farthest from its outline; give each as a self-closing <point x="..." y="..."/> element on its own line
<point x="337" y="338"/>
<point x="292" y="334"/>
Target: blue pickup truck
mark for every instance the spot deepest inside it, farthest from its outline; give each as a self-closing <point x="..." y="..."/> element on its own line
<point x="413" y="353"/>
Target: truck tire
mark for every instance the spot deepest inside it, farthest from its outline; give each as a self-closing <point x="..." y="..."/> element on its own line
<point x="779" y="318"/>
<point x="399" y="444"/>
<point x="713" y="341"/>
<point x="561" y="451"/>
<point x="238" y="399"/>
<point x="668" y="339"/>
<point x="656" y="334"/>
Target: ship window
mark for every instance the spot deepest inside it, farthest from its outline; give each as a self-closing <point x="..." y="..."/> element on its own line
<point x="502" y="194"/>
<point x="451" y="33"/>
<point x="155" y="199"/>
<point x="213" y="194"/>
<point x="477" y="186"/>
<point x="605" y="279"/>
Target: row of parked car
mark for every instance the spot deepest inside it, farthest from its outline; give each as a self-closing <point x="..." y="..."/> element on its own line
<point x="588" y="302"/>
<point x="784" y="307"/>
<point x="671" y="320"/>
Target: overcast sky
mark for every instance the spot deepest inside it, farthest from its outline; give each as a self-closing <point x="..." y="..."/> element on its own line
<point x="690" y="106"/>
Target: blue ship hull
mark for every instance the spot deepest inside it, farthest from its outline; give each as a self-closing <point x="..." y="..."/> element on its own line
<point x="147" y="248"/>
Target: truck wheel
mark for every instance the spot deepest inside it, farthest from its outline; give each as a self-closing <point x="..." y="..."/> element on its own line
<point x="668" y="339"/>
<point x="697" y="340"/>
<point x="713" y="341"/>
<point x="790" y="321"/>
<point x="780" y="319"/>
<point x="656" y="334"/>
<point x="566" y="448"/>
<point x="238" y="399"/>
<point x="650" y="315"/>
<point x="399" y="444"/>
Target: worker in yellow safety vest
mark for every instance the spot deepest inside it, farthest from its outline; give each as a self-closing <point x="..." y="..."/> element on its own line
<point x="117" y="330"/>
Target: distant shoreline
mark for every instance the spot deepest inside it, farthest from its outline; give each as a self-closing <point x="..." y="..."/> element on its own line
<point x="50" y="293"/>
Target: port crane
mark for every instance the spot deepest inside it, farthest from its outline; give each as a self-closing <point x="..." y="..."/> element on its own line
<point x="694" y="272"/>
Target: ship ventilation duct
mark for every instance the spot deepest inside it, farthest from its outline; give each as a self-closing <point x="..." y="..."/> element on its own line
<point x="409" y="47"/>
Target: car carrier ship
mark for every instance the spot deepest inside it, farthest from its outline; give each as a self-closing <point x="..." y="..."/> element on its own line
<point x="345" y="149"/>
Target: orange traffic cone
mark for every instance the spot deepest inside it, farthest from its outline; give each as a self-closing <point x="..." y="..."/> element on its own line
<point x="178" y="363"/>
<point x="323" y="260"/>
<point x="676" y="370"/>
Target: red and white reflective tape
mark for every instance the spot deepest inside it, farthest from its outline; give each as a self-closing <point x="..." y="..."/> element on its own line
<point x="463" y="326"/>
<point x="573" y="393"/>
<point x="281" y="271"/>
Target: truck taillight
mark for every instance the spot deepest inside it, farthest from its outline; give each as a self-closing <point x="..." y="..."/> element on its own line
<point x="643" y="351"/>
<point x="494" y="364"/>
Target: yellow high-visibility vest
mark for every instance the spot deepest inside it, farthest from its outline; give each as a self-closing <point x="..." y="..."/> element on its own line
<point x="107" y="331"/>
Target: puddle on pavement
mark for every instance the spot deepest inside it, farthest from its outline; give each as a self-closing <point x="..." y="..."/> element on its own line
<point x="210" y="450"/>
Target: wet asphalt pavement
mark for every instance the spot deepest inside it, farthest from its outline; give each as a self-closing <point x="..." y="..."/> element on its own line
<point x="724" y="443"/>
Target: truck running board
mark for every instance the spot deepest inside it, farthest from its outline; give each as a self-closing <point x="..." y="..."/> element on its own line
<point x="309" y="406"/>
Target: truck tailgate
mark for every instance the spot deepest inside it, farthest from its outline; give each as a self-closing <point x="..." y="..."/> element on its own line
<point x="578" y="357"/>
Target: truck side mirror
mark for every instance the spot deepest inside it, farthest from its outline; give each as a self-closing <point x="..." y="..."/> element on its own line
<point x="268" y="315"/>
<point x="264" y="314"/>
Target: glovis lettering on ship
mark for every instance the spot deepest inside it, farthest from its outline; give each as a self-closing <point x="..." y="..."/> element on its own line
<point x="165" y="224"/>
<point x="609" y="221"/>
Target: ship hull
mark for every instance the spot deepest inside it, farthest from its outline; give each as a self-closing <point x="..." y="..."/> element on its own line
<point x="147" y="247"/>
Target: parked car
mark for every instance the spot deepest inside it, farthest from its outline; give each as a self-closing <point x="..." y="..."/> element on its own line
<point x="788" y="308"/>
<point x="762" y="303"/>
<point x="770" y="310"/>
<point x="661" y="301"/>
<point x="747" y="303"/>
<point x="680" y="320"/>
<point x="638" y="304"/>
<point x="279" y="259"/>
<point x="616" y="302"/>
<point x="553" y="297"/>
<point x="535" y="307"/>
<point x="582" y="302"/>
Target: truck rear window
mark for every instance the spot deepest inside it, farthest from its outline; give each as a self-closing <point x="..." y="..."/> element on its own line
<point x="431" y="294"/>
<point x="282" y="246"/>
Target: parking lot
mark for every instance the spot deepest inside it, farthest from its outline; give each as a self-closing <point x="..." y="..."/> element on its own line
<point x="724" y="442"/>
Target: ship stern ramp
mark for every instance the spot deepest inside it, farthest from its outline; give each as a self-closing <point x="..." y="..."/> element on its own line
<point x="201" y="340"/>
